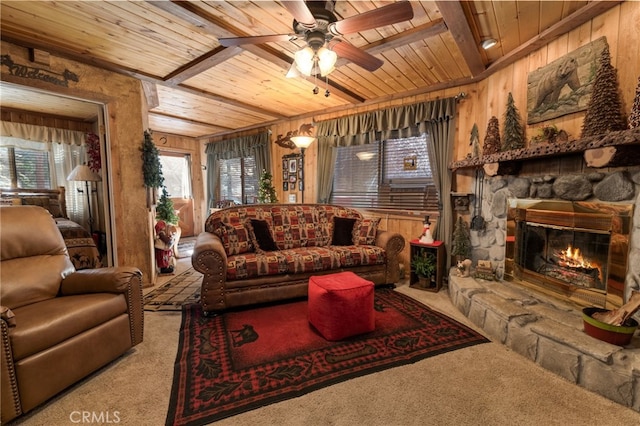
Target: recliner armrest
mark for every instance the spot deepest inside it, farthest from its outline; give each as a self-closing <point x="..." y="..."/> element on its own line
<point x="100" y="280"/>
<point x="8" y="316"/>
<point x="123" y="279"/>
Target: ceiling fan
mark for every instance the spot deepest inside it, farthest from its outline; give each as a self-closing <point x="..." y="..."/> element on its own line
<point x="315" y="22"/>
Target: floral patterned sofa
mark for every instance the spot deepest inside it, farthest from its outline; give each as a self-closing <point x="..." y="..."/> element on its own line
<point x="267" y="252"/>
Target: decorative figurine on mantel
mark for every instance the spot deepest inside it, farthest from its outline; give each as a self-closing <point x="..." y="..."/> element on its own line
<point x="426" y="237"/>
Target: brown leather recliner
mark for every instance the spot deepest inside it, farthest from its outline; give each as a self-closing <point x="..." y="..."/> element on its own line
<point x="58" y="324"/>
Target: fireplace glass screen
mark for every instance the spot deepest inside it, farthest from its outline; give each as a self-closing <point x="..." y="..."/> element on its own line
<point x="577" y="251"/>
<point x="572" y="256"/>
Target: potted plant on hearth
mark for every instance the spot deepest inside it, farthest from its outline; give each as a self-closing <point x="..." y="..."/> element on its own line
<point x="425" y="267"/>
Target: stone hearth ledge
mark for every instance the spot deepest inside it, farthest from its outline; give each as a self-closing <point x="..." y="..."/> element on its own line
<point x="550" y="332"/>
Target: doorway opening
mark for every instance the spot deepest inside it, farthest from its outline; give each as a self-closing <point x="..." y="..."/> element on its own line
<point x="176" y="170"/>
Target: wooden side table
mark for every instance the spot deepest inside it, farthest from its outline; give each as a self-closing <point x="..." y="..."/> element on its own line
<point x="437" y="249"/>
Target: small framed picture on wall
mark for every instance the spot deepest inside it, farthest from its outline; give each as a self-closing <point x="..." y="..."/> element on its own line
<point x="285" y="185"/>
<point x="293" y="165"/>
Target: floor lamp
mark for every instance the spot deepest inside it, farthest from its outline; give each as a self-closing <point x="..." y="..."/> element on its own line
<point x="82" y="173"/>
<point x="303" y="143"/>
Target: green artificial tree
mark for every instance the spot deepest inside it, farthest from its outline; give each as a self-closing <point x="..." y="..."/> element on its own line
<point x="461" y="240"/>
<point x="151" y="166"/>
<point x="604" y="111"/>
<point x="492" y="138"/>
<point x="634" y="117"/>
<point x="513" y="132"/>
<point x="266" y="191"/>
<point x="165" y="210"/>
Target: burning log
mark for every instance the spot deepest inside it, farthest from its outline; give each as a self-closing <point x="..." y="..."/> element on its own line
<point x="619" y="316"/>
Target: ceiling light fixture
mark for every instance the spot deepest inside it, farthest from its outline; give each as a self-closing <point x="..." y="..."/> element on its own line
<point x="489" y="43"/>
<point x="321" y="61"/>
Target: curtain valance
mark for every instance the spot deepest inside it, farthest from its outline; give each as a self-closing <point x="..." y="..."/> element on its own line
<point x="395" y="122"/>
<point x="35" y="133"/>
<point x="238" y="147"/>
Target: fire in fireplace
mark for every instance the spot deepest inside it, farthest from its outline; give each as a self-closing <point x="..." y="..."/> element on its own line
<point x="575" y="250"/>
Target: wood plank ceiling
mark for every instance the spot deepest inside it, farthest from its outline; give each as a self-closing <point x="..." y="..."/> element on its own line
<point x="199" y="88"/>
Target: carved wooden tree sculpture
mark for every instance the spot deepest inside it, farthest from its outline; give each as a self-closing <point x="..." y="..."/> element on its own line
<point x="620" y="315"/>
<point x="492" y="138"/>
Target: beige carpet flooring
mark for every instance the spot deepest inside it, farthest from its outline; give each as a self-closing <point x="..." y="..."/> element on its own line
<point x="485" y="384"/>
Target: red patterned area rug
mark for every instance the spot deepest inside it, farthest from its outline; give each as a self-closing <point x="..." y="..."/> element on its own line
<point x="245" y="359"/>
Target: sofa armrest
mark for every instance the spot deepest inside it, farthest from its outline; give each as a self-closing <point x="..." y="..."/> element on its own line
<point x="210" y="259"/>
<point x="391" y="242"/>
<point x="123" y="279"/>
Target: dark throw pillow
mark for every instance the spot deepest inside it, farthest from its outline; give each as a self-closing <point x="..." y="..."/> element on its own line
<point x="264" y="240"/>
<point x="342" y="231"/>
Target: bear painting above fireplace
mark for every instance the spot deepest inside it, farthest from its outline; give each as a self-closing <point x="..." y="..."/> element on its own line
<point x="577" y="251"/>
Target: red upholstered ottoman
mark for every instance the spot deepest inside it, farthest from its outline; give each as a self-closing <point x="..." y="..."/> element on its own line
<point x="341" y="305"/>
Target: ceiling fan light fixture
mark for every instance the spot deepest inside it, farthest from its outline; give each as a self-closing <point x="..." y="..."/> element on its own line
<point x="488" y="43"/>
<point x="326" y="60"/>
<point x="293" y="71"/>
<point x="304" y="60"/>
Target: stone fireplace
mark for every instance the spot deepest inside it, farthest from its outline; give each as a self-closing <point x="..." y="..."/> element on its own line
<point x="576" y="251"/>
<point x="534" y="225"/>
<point x="544" y="213"/>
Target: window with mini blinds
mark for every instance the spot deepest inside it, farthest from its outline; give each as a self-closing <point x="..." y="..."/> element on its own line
<point x="389" y="174"/>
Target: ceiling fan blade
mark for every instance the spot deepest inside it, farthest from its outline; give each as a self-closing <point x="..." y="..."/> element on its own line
<point x="386" y="15"/>
<point x="301" y="13"/>
<point x="237" y="41"/>
<point x="357" y="56"/>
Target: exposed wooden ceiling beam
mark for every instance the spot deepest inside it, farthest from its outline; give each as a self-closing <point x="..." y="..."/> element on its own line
<point x="150" y="93"/>
<point x="202" y="64"/>
<point x="455" y="19"/>
<point x="187" y="120"/>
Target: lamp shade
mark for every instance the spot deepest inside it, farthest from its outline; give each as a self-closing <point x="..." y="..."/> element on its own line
<point x="82" y="173"/>
<point x="304" y="60"/>
<point x="302" y="141"/>
<point x="326" y="60"/>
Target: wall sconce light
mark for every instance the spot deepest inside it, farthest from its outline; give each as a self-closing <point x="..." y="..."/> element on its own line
<point x="302" y="140"/>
